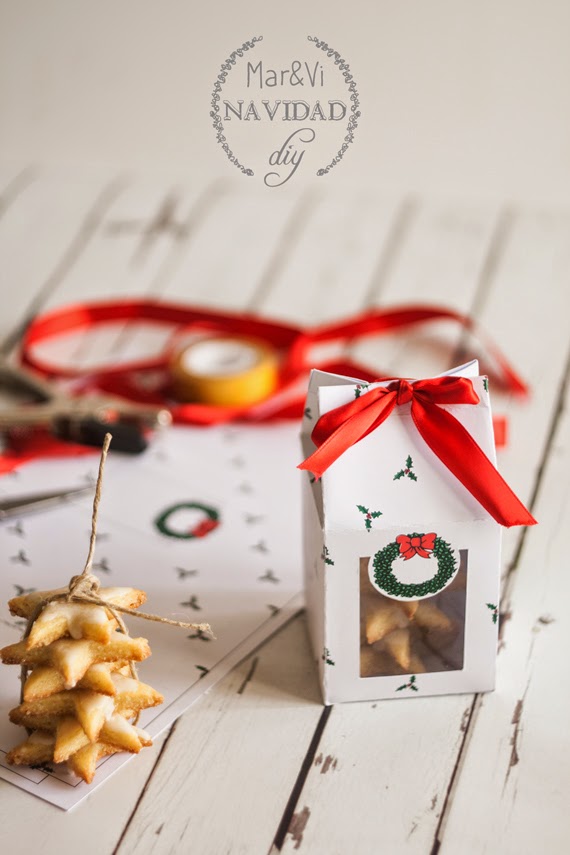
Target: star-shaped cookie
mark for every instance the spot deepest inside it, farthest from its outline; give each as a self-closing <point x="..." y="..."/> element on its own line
<point x="72" y="658"/>
<point x="61" y="618"/>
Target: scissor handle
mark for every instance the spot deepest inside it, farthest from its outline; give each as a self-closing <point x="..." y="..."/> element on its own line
<point x="35" y="415"/>
<point x="51" y="404"/>
<point x="149" y="415"/>
<point x="23" y="379"/>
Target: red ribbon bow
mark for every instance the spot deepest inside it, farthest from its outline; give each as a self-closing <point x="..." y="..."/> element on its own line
<point x="419" y="544"/>
<point x="339" y="429"/>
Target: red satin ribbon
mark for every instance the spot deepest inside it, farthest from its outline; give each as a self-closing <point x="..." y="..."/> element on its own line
<point x="339" y="429"/>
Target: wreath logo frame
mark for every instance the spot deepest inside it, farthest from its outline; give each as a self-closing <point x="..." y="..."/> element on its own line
<point x="339" y="63"/>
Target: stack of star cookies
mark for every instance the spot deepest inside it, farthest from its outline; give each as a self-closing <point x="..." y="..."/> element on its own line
<point x="79" y="695"/>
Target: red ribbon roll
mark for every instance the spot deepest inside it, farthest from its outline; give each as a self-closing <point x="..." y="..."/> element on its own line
<point x="341" y="428"/>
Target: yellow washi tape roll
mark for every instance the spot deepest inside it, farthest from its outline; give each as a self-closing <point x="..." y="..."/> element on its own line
<point x="225" y="371"/>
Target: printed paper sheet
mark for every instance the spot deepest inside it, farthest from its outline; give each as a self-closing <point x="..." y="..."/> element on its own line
<point x="241" y="571"/>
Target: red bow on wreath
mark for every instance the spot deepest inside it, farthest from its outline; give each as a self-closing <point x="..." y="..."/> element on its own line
<point x="419" y="544"/>
<point x="204" y="527"/>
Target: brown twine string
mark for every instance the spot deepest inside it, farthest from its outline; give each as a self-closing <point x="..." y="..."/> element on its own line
<point x="84" y="588"/>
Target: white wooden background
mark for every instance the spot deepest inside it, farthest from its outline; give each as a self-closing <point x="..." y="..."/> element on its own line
<point x="258" y="765"/>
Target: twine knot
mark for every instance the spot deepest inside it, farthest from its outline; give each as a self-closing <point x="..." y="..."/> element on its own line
<point x="83" y="586"/>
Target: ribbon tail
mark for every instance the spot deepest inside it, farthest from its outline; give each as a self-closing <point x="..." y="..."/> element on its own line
<point x="457" y="449"/>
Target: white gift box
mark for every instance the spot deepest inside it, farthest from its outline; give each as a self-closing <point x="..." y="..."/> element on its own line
<point x="402" y="563"/>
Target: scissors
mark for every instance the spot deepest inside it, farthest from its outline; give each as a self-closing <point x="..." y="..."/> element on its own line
<point x="84" y="419"/>
<point x="39" y="501"/>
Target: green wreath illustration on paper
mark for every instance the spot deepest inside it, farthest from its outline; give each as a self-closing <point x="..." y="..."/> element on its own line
<point x="406" y="546"/>
<point x="210" y="521"/>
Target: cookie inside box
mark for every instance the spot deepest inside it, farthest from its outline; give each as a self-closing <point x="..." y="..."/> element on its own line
<point x="412" y="636"/>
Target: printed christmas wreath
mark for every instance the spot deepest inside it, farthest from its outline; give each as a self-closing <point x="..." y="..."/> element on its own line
<point x="417" y="546"/>
<point x="210" y="521"/>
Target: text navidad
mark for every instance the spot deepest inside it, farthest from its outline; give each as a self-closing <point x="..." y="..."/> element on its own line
<point x="310" y="76"/>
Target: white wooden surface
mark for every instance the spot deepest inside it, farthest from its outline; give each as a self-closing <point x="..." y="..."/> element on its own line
<point x="258" y="765"/>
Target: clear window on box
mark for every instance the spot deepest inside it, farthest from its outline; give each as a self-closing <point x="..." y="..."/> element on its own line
<point x="412" y="636"/>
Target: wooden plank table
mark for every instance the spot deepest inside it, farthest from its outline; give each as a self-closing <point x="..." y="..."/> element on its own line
<point x="259" y="765"/>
